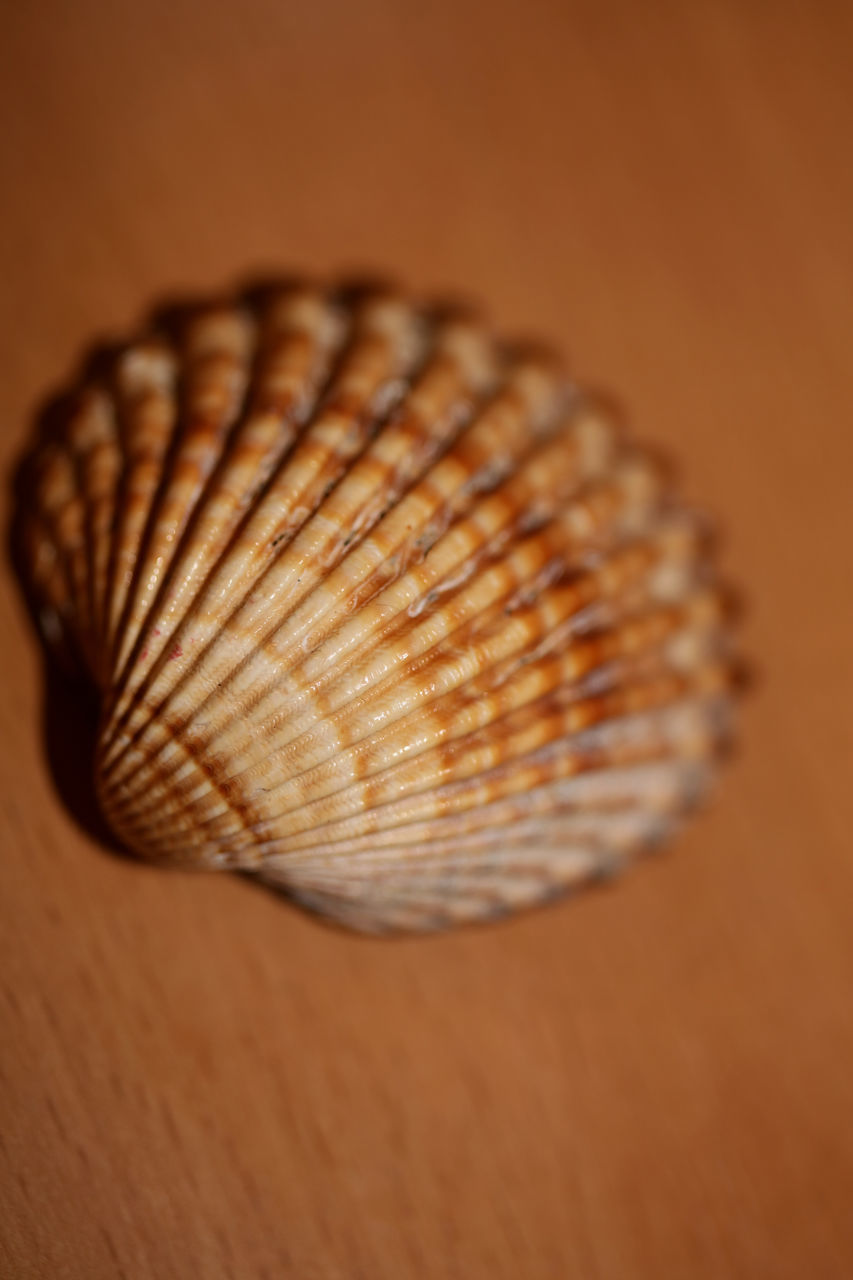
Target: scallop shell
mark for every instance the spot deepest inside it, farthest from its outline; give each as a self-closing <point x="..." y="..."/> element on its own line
<point x="385" y="611"/>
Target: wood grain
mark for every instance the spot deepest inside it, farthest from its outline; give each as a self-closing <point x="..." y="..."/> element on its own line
<point x="653" y="1080"/>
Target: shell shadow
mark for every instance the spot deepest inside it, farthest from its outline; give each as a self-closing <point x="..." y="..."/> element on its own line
<point x="69" y="705"/>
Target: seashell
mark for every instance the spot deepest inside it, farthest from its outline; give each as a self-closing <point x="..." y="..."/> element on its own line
<point x="381" y="609"/>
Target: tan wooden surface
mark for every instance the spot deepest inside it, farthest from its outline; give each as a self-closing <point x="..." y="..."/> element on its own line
<point x="655" y="1080"/>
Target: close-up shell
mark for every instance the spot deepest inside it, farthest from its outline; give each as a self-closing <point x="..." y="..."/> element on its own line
<point x="380" y="608"/>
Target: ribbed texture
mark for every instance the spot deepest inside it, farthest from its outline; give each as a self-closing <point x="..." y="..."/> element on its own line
<point x="380" y="609"/>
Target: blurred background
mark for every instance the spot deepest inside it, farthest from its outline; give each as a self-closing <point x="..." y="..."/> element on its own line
<point x="649" y="1082"/>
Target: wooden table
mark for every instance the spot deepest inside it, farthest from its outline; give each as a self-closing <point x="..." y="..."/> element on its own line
<point x="651" y="1081"/>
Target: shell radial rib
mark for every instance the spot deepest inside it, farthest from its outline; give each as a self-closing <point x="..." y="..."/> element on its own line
<point x="381" y="609"/>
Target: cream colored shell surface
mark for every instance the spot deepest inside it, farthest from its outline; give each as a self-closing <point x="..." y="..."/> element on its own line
<point x="380" y="608"/>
